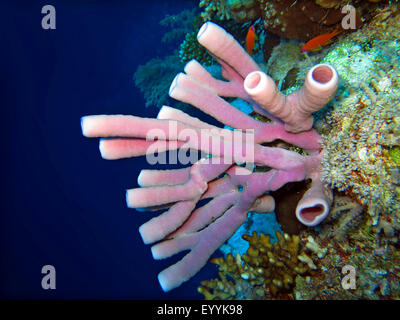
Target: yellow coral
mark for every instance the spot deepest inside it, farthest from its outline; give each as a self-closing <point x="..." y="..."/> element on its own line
<point x="267" y="270"/>
<point x="394" y="154"/>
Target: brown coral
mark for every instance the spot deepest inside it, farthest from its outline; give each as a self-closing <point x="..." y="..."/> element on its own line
<point x="376" y="269"/>
<point x="293" y="19"/>
<point x="239" y="10"/>
<point x="301" y="19"/>
<point x="305" y="19"/>
<point x="267" y="270"/>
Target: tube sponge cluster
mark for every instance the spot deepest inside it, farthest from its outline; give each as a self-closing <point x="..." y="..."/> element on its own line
<point x="226" y="176"/>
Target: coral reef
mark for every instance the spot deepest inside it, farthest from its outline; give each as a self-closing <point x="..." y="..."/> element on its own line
<point x="360" y="125"/>
<point x="358" y="157"/>
<point x="305" y="19"/>
<point x="239" y="10"/>
<point x="259" y="275"/>
<point x="191" y="49"/>
<point x="244" y="10"/>
<point x="377" y="275"/>
<point x="264" y="223"/>
<point x="361" y="137"/>
<point x="267" y="270"/>
<point x="183" y="27"/>
<point x="292" y="19"/>
<point x="366" y="116"/>
<point x="284" y="57"/>
<point x="214" y="10"/>
<point x="301" y="20"/>
<point x="345" y="217"/>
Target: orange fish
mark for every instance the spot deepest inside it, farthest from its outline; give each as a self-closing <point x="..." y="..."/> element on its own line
<point x="319" y="41"/>
<point x="250" y="39"/>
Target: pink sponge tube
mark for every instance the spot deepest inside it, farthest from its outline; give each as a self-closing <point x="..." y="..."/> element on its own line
<point x="224" y="47"/>
<point x="295" y="110"/>
<point x="314" y="206"/>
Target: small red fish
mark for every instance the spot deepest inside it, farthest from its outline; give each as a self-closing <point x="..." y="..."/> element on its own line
<point x="319" y="41"/>
<point x="250" y="39"/>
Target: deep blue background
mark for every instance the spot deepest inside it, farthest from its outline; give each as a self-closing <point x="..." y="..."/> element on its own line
<point x="61" y="204"/>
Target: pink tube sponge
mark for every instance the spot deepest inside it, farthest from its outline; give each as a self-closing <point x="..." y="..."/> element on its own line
<point x="222" y="45"/>
<point x="295" y="110"/>
<point x="219" y="177"/>
<point x="315" y="204"/>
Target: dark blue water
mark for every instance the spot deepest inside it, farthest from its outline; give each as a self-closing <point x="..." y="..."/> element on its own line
<point x="61" y="204"/>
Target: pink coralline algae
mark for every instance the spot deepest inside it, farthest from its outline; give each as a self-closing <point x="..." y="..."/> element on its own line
<point x="228" y="175"/>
